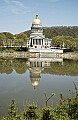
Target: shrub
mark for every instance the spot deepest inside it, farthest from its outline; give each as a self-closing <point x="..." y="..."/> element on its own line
<point x="46" y="113"/>
<point x="12" y="109"/>
<point x="31" y="112"/>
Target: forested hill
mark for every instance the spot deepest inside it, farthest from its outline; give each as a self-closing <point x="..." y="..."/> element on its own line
<point x="51" y="32"/>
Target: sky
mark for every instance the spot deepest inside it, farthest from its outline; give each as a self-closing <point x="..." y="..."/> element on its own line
<point x="17" y="15"/>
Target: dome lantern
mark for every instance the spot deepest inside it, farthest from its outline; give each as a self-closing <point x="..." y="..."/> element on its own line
<point x="37" y="16"/>
<point x="36" y="20"/>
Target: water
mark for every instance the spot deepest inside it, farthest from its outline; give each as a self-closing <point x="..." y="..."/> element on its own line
<point x="26" y="80"/>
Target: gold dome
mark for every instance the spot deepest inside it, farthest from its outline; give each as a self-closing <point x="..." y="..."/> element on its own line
<point x="35" y="84"/>
<point x="36" y="20"/>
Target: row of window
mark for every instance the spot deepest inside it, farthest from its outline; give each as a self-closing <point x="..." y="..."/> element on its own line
<point x="35" y="30"/>
<point x="36" y="25"/>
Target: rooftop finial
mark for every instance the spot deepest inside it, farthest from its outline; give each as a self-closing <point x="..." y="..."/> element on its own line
<point x="37" y="16"/>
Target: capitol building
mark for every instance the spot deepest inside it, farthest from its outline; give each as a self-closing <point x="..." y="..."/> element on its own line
<point x="37" y="41"/>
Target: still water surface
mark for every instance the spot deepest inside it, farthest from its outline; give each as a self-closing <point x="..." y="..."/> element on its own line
<point x="25" y="80"/>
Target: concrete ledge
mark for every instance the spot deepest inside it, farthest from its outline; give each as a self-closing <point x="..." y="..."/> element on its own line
<point x="38" y="55"/>
<point x="45" y="50"/>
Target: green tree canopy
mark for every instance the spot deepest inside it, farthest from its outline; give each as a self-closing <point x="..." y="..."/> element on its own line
<point x="2" y="38"/>
<point x="65" y="42"/>
<point x="22" y="39"/>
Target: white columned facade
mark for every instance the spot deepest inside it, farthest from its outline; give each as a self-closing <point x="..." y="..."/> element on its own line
<point x="36" y="35"/>
<point x="38" y="42"/>
<point x="37" y="39"/>
<point x="41" y="42"/>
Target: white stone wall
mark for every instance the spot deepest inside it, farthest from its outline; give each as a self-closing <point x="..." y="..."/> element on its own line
<point x="46" y="50"/>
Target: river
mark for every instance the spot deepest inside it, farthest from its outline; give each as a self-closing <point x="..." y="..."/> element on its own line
<point x="26" y="80"/>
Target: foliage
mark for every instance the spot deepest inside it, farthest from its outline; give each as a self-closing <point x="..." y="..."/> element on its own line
<point x="8" y="35"/>
<point x="48" y="98"/>
<point x="67" y="109"/>
<point x="27" y="33"/>
<point x="65" y="42"/>
<point x="7" y="65"/>
<point x="12" y="109"/>
<point x="67" y="67"/>
<point x="71" y="104"/>
<point x="21" y="36"/>
<point x="47" y="111"/>
<point x="21" y="39"/>
<point x="51" y="32"/>
<point x="31" y="112"/>
<point x="15" y="42"/>
<point x="54" y="31"/>
<point x="62" y="36"/>
<point x="60" y="113"/>
<point x="20" y="66"/>
<point x="2" y="38"/>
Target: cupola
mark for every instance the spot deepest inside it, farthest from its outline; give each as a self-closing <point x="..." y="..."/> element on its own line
<point x="36" y="20"/>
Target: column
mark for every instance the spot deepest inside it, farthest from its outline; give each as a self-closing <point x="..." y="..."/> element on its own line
<point x="32" y="42"/>
<point x="38" y="42"/>
<point x="41" y="42"/>
<point x="35" y="41"/>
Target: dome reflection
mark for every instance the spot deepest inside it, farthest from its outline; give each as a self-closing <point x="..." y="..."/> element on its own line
<point x="37" y="65"/>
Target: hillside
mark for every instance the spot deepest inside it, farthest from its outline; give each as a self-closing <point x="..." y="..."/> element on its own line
<point x="51" y="32"/>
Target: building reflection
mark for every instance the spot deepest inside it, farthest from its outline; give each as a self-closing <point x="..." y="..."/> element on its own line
<point x="37" y="65"/>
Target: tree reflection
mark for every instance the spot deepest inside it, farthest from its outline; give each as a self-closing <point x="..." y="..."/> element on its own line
<point x="7" y="65"/>
<point x="38" y="66"/>
<point x="20" y="65"/>
<point x="68" y="67"/>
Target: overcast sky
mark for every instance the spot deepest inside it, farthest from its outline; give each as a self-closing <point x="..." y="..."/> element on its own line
<point x="17" y="15"/>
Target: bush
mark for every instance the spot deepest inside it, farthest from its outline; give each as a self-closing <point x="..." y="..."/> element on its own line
<point x="46" y="113"/>
<point x="31" y="112"/>
<point x="12" y="109"/>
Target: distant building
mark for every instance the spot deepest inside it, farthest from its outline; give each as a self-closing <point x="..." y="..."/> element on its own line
<point x="37" y="41"/>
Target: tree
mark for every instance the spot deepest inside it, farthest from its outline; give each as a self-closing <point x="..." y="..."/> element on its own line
<point x="9" y="37"/>
<point x="31" y="112"/>
<point x="22" y="39"/>
<point x="51" y="32"/>
<point x="65" y="42"/>
<point x="2" y="39"/>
